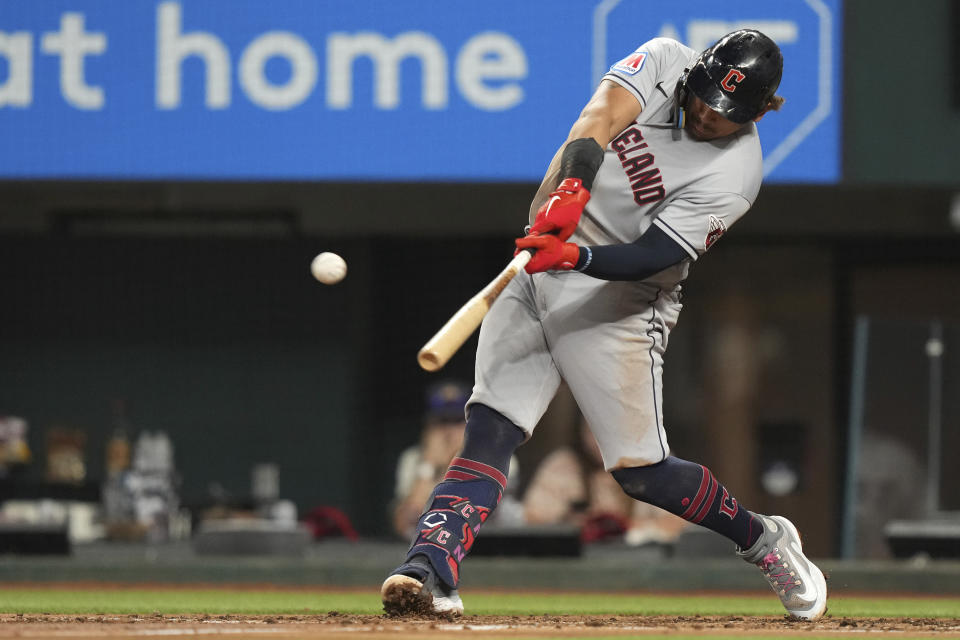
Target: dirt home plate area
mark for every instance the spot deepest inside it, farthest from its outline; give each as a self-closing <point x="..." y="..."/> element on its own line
<point x="336" y="626"/>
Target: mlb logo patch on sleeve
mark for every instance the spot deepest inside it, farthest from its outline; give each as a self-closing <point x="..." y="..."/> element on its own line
<point x="632" y="63"/>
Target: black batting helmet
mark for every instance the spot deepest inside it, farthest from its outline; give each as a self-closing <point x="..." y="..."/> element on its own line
<point x="737" y="76"/>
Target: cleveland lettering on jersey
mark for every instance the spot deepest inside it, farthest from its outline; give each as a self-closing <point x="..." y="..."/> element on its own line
<point x="645" y="179"/>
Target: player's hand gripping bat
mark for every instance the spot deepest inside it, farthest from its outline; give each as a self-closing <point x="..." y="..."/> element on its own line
<point x="441" y="347"/>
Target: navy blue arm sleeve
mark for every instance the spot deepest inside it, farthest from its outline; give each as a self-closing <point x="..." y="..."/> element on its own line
<point x="651" y="253"/>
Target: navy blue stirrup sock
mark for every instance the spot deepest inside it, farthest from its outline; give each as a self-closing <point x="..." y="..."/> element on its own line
<point x="689" y="490"/>
<point x="490" y="438"/>
<point x="469" y="493"/>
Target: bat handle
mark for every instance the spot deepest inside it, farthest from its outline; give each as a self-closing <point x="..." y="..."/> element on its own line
<point x="496" y="286"/>
<point x="521" y="259"/>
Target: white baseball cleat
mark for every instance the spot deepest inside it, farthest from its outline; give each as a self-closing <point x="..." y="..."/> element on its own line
<point x="414" y="589"/>
<point x="797" y="581"/>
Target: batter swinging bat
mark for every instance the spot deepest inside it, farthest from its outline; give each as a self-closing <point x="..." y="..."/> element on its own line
<point x="441" y="347"/>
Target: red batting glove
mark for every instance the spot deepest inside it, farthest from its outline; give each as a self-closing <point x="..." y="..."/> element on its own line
<point x="561" y="213"/>
<point x="550" y="253"/>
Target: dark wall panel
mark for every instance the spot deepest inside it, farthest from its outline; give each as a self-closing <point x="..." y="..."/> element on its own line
<point x="900" y="120"/>
<point x="229" y="346"/>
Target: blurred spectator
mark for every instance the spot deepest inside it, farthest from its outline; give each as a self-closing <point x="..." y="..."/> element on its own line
<point x="571" y="487"/>
<point x="142" y="502"/>
<point x="890" y="486"/>
<point x="118" y="446"/>
<point x="420" y="467"/>
<point x="66" y="459"/>
<point x="14" y="451"/>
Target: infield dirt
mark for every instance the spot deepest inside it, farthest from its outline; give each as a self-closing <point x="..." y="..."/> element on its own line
<point x="336" y="626"/>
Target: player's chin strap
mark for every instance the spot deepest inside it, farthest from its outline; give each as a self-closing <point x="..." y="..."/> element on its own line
<point x="680" y="117"/>
<point x="680" y="96"/>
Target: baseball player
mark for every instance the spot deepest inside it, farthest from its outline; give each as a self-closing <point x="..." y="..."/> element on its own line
<point x="663" y="159"/>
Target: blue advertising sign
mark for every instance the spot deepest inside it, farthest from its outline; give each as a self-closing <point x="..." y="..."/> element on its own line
<point x="363" y="90"/>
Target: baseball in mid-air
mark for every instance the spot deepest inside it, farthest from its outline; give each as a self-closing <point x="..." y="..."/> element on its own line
<point x="328" y="268"/>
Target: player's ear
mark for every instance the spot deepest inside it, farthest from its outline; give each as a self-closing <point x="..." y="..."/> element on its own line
<point x="761" y="114"/>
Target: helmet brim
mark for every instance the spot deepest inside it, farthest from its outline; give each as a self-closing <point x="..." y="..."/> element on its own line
<point x="700" y="84"/>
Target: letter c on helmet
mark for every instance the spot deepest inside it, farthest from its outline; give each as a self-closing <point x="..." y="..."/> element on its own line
<point x="733" y="78"/>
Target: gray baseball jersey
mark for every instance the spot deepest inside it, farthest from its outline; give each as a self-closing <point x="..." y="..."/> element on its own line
<point x="607" y="339"/>
<point x="655" y="173"/>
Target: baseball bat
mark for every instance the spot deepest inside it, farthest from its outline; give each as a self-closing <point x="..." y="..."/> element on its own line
<point x="441" y="347"/>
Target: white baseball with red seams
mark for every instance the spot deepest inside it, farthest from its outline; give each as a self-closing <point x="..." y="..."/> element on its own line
<point x="328" y="268"/>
